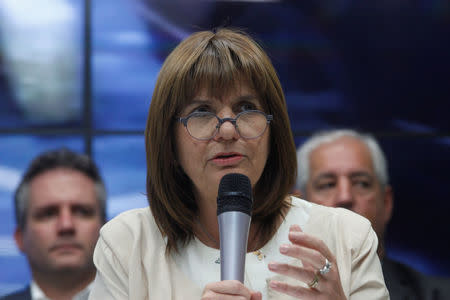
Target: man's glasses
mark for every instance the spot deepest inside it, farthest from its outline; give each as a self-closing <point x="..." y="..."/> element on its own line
<point x="204" y="126"/>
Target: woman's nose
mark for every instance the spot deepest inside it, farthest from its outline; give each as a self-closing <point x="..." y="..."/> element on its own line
<point x="227" y="131"/>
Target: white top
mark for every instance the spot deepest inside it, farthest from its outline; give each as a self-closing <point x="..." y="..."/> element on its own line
<point x="197" y="256"/>
<point x="131" y="261"/>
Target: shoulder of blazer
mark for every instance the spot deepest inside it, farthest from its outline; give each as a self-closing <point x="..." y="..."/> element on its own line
<point x="402" y="281"/>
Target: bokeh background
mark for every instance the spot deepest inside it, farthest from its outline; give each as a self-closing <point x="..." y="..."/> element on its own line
<point x="80" y="74"/>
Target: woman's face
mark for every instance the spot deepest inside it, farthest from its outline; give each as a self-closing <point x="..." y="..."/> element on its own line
<point x="206" y="162"/>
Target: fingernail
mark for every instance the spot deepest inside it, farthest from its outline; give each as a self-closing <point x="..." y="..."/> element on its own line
<point x="273" y="284"/>
<point x="284" y="248"/>
<point x="273" y="266"/>
<point x="295" y="234"/>
<point x="295" y="227"/>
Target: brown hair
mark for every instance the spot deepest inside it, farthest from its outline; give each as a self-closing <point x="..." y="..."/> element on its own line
<point x="218" y="61"/>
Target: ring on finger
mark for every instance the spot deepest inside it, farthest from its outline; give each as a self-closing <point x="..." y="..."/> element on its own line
<point x="315" y="282"/>
<point x="326" y="268"/>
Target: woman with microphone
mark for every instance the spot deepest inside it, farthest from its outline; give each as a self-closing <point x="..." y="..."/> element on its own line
<point x="218" y="108"/>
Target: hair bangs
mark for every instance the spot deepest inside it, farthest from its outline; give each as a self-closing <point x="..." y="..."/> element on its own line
<point x="220" y="68"/>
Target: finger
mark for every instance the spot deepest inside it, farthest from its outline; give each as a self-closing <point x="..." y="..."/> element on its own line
<point x="302" y="274"/>
<point x="323" y="249"/>
<point x="295" y="291"/>
<point x="229" y="287"/>
<point x="214" y="296"/>
<point x="295" y="227"/>
<point x="310" y="258"/>
<point x="309" y="241"/>
<point x="256" y="296"/>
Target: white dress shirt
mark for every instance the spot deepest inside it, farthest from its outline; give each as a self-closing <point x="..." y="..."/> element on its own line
<point x="38" y="294"/>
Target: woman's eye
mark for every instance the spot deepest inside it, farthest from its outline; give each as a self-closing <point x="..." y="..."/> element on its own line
<point x="203" y="108"/>
<point x="248" y="106"/>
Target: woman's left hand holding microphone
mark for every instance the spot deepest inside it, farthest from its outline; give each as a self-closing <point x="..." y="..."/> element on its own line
<point x="229" y="290"/>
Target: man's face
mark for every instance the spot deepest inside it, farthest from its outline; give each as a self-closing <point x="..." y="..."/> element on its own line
<point x="62" y="222"/>
<point x="342" y="175"/>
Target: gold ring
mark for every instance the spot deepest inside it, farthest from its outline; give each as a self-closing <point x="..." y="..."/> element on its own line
<point x="313" y="284"/>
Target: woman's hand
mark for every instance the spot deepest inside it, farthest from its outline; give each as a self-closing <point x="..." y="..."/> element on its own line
<point x="323" y="282"/>
<point x="229" y="289"/>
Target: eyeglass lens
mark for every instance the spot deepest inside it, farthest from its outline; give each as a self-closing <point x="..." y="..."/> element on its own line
<point x="248" y="124"/>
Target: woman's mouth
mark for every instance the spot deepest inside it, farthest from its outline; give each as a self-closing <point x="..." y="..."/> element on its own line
<point x="227" y="159"/>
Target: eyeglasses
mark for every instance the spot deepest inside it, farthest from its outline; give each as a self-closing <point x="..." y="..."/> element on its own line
<point x="204" y="126"/>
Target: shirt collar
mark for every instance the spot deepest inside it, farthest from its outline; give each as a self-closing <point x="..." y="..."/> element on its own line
<point x="38" y="294"/>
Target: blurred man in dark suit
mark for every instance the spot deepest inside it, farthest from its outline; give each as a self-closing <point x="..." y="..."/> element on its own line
<point x="59" y="208"/>
<point x="344" y="168"/>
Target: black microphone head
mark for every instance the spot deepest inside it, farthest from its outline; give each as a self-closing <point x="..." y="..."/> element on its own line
<point x="235" y="194"/>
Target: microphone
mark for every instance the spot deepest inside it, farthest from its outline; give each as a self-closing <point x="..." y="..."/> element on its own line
<point x="234" y="206"/>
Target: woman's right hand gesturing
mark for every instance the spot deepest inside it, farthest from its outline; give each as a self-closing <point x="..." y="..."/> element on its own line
<point x="229" y="289"/>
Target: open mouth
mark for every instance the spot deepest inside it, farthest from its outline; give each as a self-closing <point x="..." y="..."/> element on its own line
<point x="225" y="156"/>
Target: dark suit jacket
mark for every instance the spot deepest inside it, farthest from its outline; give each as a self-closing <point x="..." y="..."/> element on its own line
<point x="24" y="294"/>
<point x="405" y="283"/>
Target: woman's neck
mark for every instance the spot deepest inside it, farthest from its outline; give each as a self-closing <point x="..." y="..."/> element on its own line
<point x="206" y="227"/>
<point x="212" y="238"/>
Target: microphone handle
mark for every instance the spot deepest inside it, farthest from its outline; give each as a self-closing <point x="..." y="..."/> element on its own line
<point x="233" y="229"/>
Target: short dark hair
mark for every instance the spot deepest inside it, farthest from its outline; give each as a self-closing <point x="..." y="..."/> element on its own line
<point x="216" y="61"/>
<point x="54" y="159"/>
